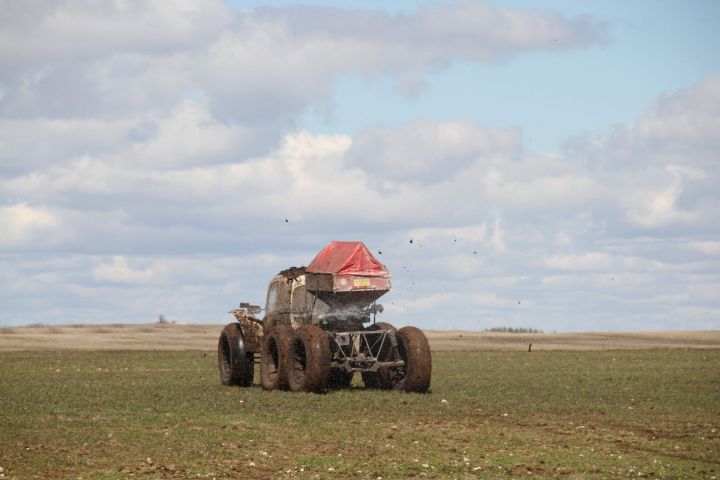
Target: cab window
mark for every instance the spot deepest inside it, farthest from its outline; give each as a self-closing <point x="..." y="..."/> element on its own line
<point x="300" y="302"/>
<point x="272" y="297"/>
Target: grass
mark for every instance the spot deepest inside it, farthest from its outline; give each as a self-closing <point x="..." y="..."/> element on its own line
<point x="609" y="414"/>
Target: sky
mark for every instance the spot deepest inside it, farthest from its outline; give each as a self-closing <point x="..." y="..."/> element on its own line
<point x="530" y="164"/>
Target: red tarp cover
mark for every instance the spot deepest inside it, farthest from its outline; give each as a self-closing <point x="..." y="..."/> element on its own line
<point x="347" y="258"/>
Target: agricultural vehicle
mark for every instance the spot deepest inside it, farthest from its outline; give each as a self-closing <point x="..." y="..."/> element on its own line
<point x="320" y="327"/>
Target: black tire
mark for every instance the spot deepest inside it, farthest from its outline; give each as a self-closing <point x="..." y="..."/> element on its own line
<point x="308" y="362"/>
<point x="273" y="358"/>
<point x="339" y="378"/>
<point x="235" y="364"/>
<point x="414" y="349"/>
<point x="381" y="378"/>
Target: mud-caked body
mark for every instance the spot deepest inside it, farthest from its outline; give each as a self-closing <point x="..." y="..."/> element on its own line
<point x="320" y="327"/>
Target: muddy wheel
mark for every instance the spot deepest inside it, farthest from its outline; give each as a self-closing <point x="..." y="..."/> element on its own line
<point x="234" y="362"/>
<point x="339" y="378"/>
<point x="381" y="378"/>
<point x="308" y="362"/>
<point x="414" y="350"/>
<point x="273" y="358"/>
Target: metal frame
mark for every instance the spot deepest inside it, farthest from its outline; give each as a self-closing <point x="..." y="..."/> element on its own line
<point x="358" y="351"/>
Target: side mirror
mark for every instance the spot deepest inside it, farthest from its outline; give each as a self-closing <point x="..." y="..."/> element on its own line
<point x="379" y="308"/>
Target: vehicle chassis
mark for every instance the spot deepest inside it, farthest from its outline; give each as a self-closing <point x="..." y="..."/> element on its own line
<point x="360" y="351"/>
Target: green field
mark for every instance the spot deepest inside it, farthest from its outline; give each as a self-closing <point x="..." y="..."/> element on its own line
<point x="599" y="414"/>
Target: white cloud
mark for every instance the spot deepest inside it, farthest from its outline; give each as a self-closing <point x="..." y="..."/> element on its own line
<point x="429" y="152"/>
<point x="120" y="271"/>
<point x="562" y="227"/>
<point x="315" y="46"/>
<point x="22" y="225"/>
<point x="586" y="261"/>
<point x="33" y="145"/>
<point x="668" y="160"/>
<point x="708" y="247"/>
<point x="50" y="29"/>
<point x="148" y="163"/>
<point x="655" y="207"/>
<point x="82" y="58"/>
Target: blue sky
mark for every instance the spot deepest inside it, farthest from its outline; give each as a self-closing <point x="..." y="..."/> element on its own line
<point x="555" y="163"/>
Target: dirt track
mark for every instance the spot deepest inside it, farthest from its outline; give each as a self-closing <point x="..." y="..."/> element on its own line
<point x="204" y="337"/>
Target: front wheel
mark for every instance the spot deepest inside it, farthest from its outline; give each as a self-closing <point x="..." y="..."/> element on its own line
<point x="273" y="358"/>
<point x="235" y="364"/>
<point x="308" y="362"/>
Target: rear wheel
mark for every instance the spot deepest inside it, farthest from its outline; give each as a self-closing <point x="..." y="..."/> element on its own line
<point x="273" y="358"/>
<point x="235" y="364"/>
<point x="381" y="378"/>
<point x="414" y="349"/>
<point x="308" y="362"/>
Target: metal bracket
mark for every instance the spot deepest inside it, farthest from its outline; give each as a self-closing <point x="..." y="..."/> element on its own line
<point x="359" y="351"/>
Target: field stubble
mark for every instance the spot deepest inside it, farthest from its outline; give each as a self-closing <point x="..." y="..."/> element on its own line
<point x="496" y="414"/>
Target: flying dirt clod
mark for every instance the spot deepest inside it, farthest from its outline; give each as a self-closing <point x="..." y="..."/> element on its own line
<point x="320" y="328"/>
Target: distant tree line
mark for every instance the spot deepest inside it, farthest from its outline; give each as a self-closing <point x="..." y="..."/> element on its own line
<point x="163" y="320"/>
<point x="513" y="330"/>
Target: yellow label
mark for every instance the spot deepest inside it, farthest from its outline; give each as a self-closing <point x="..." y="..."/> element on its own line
<point x="361" y="282"/>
